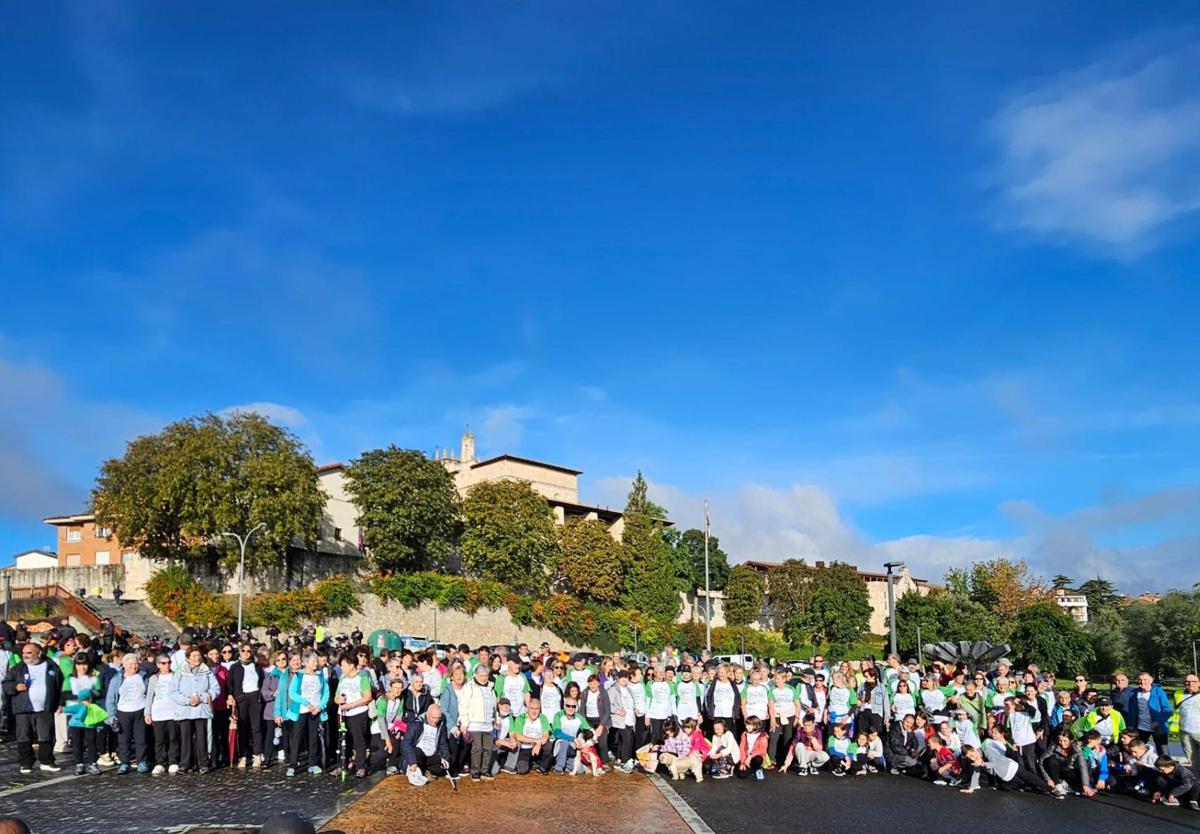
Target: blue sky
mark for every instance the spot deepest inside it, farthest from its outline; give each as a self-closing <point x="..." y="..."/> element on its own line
<point x="899" y="283"/>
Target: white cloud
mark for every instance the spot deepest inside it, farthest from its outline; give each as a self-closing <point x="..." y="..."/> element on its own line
<point x="1107" y="154"/>
<point x="503" y="426"/>
<point x="803" y="521"/>
<point x="286" y="416"/>
<point x="44" y="430"/>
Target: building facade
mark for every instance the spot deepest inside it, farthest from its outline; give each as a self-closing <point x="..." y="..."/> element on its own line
<point x="1074" y="603"/>
<point x="82" y="544"/>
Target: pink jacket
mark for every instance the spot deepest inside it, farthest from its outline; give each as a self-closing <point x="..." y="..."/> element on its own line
<point x="700" y="743"/>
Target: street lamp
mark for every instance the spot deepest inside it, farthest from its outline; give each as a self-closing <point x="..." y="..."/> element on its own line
<point x="242" y="542"/>
<point x="707" y="589"/>
<point x="890" y="566"/>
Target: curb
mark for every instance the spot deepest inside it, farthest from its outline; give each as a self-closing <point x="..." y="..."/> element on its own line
<point x="685" y="811"/>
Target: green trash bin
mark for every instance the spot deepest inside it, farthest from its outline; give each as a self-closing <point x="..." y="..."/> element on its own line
<point x="384" y="639"/>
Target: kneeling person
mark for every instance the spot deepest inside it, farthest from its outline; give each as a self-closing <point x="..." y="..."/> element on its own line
<point x="426" y="745"/>
<point x="532" y="733"/>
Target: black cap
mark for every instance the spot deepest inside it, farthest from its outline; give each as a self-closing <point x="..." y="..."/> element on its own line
<point x="1104" y="702"/>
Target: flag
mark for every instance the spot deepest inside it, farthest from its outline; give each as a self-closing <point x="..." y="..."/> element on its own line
<point x="707" y="520"/>
<point x="362" y="545"/>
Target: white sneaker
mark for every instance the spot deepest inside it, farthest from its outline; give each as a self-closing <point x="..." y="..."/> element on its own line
<point x="257" y="761"/>
<point x="241" y="764"/>
<point x="158" y="770"/>
<point x="105" y="761"/>
<point x="173" y="769"/>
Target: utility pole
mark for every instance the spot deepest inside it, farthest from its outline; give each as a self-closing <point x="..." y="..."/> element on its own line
<point x="242" y="542"/>
<point x="892" y="601"/>
<point x="707" y="588"/>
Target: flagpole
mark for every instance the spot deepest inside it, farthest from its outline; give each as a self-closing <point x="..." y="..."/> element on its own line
<point x="707" y="589"/>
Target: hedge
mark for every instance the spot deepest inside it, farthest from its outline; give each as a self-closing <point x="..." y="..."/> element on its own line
<point x="176" y="594"/>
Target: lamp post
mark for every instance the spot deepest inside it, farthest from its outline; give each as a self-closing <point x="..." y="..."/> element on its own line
<point x="242" y="542"/>
<point x="890" y="566"/>
<point x="707" y="589"/>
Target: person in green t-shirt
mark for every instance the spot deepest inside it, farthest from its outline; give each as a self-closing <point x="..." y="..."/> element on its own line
<point x="532" y="732"/>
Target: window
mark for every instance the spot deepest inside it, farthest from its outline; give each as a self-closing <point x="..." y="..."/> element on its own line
<point x="74" y="534"/>
<point x="126" y="555"/>
<point x="337" y="534"/>
<point x="72" y="560"/>
<point x="102" y="558"/>
<point x="103" y="532"/>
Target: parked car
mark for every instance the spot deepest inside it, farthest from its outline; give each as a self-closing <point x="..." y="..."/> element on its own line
<point x="743" y="660"/>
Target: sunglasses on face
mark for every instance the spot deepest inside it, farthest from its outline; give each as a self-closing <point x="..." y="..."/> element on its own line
<point x="570" y="706"/>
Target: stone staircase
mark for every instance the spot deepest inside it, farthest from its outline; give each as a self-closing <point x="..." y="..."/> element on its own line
<point x="134" y="616"/>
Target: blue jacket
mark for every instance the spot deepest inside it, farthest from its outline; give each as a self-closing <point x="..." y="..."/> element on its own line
<point x="114" y="692"/>
<point x="1159" y="706"/>
<point x="187" y="682"/>
<point x="1122" y="700"/>
<point x="295" y="700"/>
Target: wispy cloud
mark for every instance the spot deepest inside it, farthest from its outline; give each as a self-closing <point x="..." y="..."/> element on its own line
<point x="45" y="428"/>
<point x="1108" y="154"/>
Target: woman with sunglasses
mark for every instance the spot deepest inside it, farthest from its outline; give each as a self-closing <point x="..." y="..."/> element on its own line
<point x="270" y="692"/>
<point x="162" y="716"/>
<point x="219" y="661"/>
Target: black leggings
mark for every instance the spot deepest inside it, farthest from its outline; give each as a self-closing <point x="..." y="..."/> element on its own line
<point x="754" y="764"/>
<point x="623" y="740"/>
<point x="307" y="726"/>
<point x="83" y="744"/>
<point x="358" y="729"/>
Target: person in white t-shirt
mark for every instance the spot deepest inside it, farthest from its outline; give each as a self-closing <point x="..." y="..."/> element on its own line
<point x="354" y="699"/>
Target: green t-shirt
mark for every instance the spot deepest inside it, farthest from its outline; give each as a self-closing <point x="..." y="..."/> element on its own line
<point x="523" y="725"/>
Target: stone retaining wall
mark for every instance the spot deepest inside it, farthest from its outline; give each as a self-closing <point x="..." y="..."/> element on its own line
<point x="445" y="624"/>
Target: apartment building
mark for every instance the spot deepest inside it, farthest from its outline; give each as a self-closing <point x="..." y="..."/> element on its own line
<point x="82" y="544"/>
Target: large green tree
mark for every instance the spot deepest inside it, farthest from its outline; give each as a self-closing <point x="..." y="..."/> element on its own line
<point x="839" y="611"/>
<point x="1046" y="635"/>
<point x="1106" y="630"/>
<point x="509" y="534"/>
<point x="650" y="585"/>
<point x="790" y="586"/>
<point x="940" y="616"/>
<point x="687" y="559"/>
<point x="172" y="494"/>
<point x="743" y="596"/>
<point x="408" y="508"/>
<point x="592" y="562"/>
<point x="1160" y="634"/>
<point x="1003" y="586"/>
<point x="1101" y="595"/>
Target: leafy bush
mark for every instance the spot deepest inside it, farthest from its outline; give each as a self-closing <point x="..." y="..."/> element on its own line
<point x="570" y="618"/>
<point x="338" y="597"/>
<point x="176" y="594"/>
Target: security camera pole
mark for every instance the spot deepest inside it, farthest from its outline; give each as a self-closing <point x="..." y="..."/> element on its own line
<point x="892" y="601"/>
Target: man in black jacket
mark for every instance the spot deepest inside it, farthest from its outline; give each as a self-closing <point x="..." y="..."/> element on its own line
<point x="33" y="689"/>
<point x="425" y="745"/>
<point x="245" y="699"/>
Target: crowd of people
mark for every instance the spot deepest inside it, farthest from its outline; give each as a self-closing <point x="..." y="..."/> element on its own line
<point x="314" y="705"/>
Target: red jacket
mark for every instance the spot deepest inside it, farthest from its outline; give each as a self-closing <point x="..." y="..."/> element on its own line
<point x="759" y="749"/>
<point x="700" y="743"/>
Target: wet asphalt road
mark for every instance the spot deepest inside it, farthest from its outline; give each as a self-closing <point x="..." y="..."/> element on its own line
<point x="144" y="804"/>
<point x="882" y="803"/>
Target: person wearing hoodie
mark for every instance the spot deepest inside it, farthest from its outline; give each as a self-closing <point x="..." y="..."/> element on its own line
<point x="161" y="714"/>
<point x="1091" y="765"/>
<point x="194" y="689"/>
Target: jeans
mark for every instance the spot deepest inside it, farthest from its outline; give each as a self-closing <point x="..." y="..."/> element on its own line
<point x="1191" y="750"/>
<point x="564" y="753"/>
<point x="306" y="726"/>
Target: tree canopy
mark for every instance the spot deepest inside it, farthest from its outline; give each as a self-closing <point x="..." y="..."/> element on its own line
<point x="509" y="534"/>
<point x="743" y="596"/>
<point x="591" y="563"/>
<point x="1003" y="586"/>
<point x="839" y="611"/>
<point x="687" y="559"/>
<point x="941" y="616"/>
<point x="650" y="585"/>
<point x="173" y="493"/>
<point x="790" y="585"/>
<point x="1044" y="634"/>
<point x="408" y="508"/>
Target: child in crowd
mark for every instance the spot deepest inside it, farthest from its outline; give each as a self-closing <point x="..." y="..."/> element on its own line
<point x="1176" y="785"/>
<point x="807" y="750"/>
<point x="753" y="751"/>
<point x="724" y="752"/>
<point x="875" y="759"/>
<point x="842" y="751"/>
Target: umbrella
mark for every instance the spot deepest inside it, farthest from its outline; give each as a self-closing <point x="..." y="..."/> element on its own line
<point x="233" y="739"/>
<point x="385" y="638"/>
